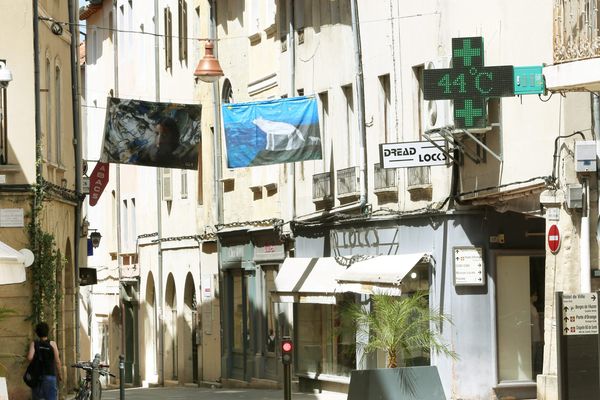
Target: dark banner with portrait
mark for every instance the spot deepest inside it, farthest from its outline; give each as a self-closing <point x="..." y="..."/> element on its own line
<point x="152" y="134"/>
<point x="272" y="132"/>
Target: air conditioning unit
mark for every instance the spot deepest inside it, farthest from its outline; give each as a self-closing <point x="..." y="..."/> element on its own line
<point x="437" y="114"/>
<point x="348" y="182"/>
<point x="322" y="187"/>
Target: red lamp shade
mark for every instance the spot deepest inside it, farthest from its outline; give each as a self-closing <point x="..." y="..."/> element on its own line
<point x="208" y="69"/>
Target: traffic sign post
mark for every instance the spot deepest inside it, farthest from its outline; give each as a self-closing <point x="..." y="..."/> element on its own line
<point x="578" y="345"/>
<point x="469" y="83"/>
<point x="287" y="350"/>
<point x="553" y="239"/>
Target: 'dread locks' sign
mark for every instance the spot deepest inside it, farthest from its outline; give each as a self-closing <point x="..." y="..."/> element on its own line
<point x="412" y="154"/>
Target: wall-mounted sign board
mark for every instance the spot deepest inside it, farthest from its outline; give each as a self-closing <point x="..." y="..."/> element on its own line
<point x="580" y="314"/>
<point x="469" y="268"/>
<point x="412" y="154"/>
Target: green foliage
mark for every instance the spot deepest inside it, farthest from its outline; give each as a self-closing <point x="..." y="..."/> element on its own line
<point x="398" y="326"/>
<point x="45" y="291"/>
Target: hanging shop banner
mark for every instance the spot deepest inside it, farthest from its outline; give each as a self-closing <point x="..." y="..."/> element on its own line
<point x="272" y="132"/>
<point x="98" y="181"/>
<point x="152" y="134"/>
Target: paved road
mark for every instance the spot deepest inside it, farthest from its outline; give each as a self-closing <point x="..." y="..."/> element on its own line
<point x="184" y="393"/>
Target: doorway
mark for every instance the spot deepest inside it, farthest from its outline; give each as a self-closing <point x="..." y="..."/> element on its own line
<point x="520" y="317"/>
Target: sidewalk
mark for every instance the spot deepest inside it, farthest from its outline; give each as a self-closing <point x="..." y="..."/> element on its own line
<point x="184" y="393"/>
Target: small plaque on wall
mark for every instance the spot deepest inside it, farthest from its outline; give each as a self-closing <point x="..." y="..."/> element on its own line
<point x="469" y="268"/>
<point x="12" y="218"/>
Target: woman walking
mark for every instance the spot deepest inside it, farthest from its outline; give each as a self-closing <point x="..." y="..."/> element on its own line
<point x="51" y="366"/>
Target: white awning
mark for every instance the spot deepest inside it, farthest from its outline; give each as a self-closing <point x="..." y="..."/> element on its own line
<point x="12" y="265"/>
<point x="308" y="280"/>
<point x="379" y="275"/>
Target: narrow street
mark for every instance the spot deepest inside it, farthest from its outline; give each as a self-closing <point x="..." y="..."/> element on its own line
<point x="182" y="393"/>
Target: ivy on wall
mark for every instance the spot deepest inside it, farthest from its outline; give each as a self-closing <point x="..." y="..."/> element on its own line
<point x="47" y="263"/>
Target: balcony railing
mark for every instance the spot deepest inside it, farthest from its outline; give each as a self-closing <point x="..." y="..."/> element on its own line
<point x="322" y="187"/>
<point x="347" y="182"/>
<point x="385" y="179"/>
<point x="576" y="30"/>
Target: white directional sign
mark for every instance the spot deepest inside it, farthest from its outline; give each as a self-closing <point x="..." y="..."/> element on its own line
<point x="412" y="154"/>
<point x="468" y="266"/>
<point x="580" y="314"/>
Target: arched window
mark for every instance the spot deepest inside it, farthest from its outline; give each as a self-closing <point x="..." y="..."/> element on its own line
<point x="227" y="94"/>
<point x="48" y="110"/>
<point x="58" y="113"/>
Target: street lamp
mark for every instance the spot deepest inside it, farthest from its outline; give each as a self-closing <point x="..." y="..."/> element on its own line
<point x="5" y="74"/>
<point x="95" y="237"/>
<point x="208" y="69"/>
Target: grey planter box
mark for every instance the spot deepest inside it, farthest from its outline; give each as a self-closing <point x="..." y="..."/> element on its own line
<point x="409" y="383"/>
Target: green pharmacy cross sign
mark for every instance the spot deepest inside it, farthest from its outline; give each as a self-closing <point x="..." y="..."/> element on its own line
<point x="469" y="83"/>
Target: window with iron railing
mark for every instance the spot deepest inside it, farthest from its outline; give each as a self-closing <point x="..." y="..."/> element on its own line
<point x="322" y="186"/>
<point x="576" y="30"/>
<point x="347" y="181"/>
<point x="385" y="178"/>
<point x="419" y="177"/>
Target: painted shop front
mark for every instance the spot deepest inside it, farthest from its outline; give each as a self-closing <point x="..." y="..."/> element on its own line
<point x="249" y="261"/>
<point x="483" y="269"/>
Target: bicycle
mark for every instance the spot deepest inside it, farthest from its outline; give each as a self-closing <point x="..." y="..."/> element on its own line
<point x="84" y="392"/>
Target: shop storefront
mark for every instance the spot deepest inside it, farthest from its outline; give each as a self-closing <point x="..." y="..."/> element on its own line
<point x="492" y="290"/>
<point x="249" y="261"/>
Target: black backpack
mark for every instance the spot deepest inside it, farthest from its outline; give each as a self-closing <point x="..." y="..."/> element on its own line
<point x="33" y="374"/>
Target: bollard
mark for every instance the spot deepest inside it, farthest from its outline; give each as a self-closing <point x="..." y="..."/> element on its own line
<point x="121" y="376"/>
<point x="95" y="375"/>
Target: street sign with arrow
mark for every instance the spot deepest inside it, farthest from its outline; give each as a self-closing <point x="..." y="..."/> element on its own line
<point x="580" y="314"/>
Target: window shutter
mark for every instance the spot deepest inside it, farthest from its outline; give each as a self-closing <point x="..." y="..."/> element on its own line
<point x="184" y="184"/>
<point x="167" y="184"/>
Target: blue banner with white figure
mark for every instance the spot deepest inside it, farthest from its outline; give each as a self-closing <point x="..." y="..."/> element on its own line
<point x="272" y="132"/>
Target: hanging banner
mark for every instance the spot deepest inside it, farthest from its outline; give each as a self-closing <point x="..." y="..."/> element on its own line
<point x="272" y="132"/>
<point x="152" y="134"/>
<point x="98" y="181"/>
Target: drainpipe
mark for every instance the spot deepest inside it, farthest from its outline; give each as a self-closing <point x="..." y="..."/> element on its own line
<point x="38" y="123"/>
<point x="596" y="130"/>
<point x="360" y="97"/>
<point x="217" y="173"/>
<point x="161" y="364"/>
<point x="77" y="150"/>
<point x="118" y="189"/>
<point x="584" y="246"/>
<point x="291" y="170"/>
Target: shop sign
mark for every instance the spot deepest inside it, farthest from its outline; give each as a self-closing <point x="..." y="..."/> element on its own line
<point x="269" y="252"/>
<point x="412" y="154"/>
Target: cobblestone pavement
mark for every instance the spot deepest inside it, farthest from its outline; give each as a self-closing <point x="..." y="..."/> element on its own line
<point x="184" y="393"/>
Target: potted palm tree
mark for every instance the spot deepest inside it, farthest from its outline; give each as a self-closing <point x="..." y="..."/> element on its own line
<point x="403" y="328"/>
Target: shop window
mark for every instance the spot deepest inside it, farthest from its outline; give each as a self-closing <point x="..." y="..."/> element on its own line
<point x="326" y="342"/>
<point x="520" y="314"/>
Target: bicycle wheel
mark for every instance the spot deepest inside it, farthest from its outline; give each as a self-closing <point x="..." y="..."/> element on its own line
<point x="84" y="394"/>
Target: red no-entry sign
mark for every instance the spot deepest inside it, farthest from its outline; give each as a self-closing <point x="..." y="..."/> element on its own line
<point x="553" y="239"/>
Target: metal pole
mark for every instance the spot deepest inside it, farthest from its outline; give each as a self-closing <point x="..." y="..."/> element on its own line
<point x="287" y="382"/>
<point x="584" y="246"/>
<point x="95" y="381"/>
<point x="121" y="376"/>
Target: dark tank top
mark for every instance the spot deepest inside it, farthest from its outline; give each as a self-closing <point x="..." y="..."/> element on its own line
<point x="47" y="356"/>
